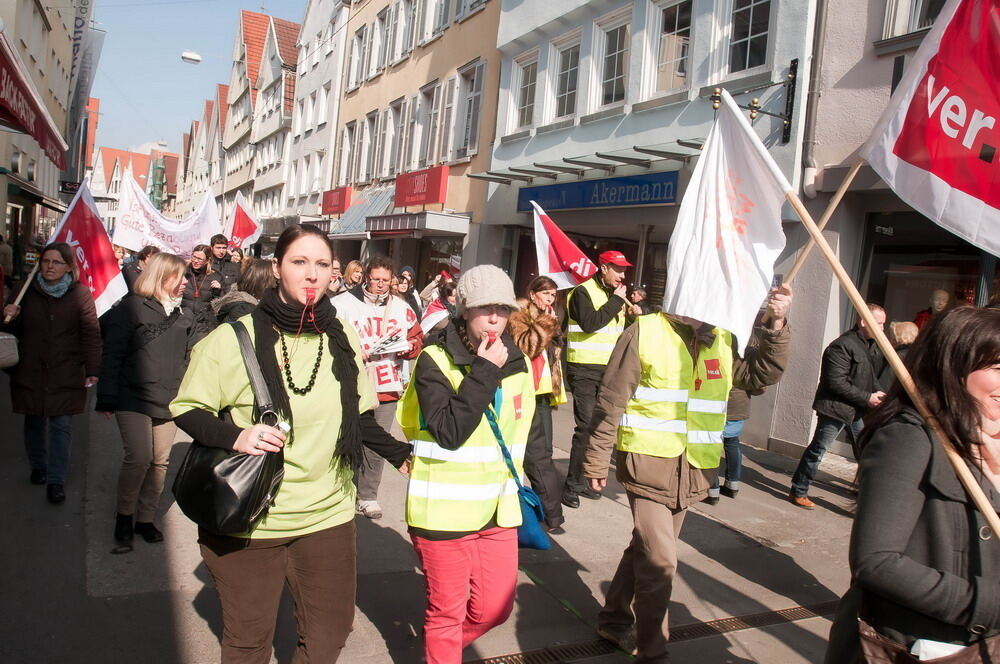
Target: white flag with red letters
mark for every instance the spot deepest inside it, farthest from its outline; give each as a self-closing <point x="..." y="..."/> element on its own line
<point x="720" y="263"/>
<point x="242" y="230"/>
<point x="937" y="145"/>
<point x="558" y="258"/>
<point x="82" y="229"/>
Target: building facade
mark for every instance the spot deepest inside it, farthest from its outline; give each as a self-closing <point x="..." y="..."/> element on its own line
<point x="315" y="109"/>
<point x="417" y="114"/>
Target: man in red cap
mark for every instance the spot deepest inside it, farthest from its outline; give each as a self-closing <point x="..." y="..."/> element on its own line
<point x="596" y="320"/>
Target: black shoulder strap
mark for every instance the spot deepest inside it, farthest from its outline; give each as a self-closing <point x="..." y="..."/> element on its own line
<point x="260" y="392"/>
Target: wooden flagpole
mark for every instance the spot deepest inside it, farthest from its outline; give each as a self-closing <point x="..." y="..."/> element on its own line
<point x="24" y="289"/>
<point x="821" y="224"/>
<point x="905" y="379"/>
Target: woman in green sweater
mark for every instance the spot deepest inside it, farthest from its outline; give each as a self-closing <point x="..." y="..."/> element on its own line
<point x="321" y="391"/>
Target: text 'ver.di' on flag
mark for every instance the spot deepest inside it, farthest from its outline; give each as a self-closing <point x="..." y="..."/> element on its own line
<point x="82" y="229"/>
<point x="937" y="145"/>
<point x="728" y="234"/>
<point x="558" y="257"/>
<point x="243" y="228"/>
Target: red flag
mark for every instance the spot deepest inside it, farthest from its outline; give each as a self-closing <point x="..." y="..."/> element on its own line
<point x="245" y="229"/>
<point x="558" y="258"/>
<point x="937" y="143"/>
<point x="82" y="229"/>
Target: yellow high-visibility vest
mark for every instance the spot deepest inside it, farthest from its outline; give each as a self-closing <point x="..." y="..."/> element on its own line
<point x="461" y="490"/>
<point x="592" y="347"/>
<point x="679" y="405"/>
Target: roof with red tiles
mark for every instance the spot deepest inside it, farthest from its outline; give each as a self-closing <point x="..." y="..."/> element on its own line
<point x="253" y="32"/>
<point x="289" y="90"/>
<point x="108" y="158"/>
<point x="287" y="34"/>
<point x="170" y="162"/>
<point x="140" y="167"/>
<point x="221" y="95"/>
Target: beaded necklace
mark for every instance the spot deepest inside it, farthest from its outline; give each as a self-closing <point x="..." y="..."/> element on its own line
<point x="286" y="364"/>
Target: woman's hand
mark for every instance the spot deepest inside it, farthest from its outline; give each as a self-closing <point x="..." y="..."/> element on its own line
<point x="404" y="468"/>
<point x="216" y="285"/>
<point x="497" y="353"/>
<point x="10" y="312"/>
<point x="90" y="381"/>
<point x="258" y="439"/>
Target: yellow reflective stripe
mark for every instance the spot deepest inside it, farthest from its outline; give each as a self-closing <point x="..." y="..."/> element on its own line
<point x="607" y="329"/>
<point x="634" y="421"/>
<point x="426" y="449"/>
<point x="464" y="492"/>
<point x="662" y="395"/>
<point x="704" y="437"/>
<point x="707" y="406"/>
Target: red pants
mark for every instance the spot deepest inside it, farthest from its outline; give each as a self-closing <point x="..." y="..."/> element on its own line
<point x="470" y="589"/>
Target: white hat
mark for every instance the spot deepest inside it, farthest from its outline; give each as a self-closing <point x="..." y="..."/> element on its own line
<point x="484" y="285"/>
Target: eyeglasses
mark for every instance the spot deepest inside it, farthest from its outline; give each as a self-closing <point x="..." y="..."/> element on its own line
<point x="198" y="259"/>
<point x="49" y="261"/>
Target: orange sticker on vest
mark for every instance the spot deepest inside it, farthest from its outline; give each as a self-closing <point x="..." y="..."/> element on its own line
<point x="712" y="370"/>
<point x="517" y="406"/>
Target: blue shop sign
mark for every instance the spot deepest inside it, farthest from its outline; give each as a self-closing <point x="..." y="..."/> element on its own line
<point x="648" y="189"/>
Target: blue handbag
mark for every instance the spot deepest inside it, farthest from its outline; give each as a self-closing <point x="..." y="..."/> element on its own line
<point x="531" y="533"/>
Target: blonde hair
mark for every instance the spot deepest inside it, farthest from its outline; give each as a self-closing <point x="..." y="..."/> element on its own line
<point x="158" y="269"/>
<point x="902" y="333"/>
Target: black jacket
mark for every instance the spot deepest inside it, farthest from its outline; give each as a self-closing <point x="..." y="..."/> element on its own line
<point x="198" y="294"/>
<point x="131" y="273"/>
<point x="920" y="567"/>
<point x="849" y="376"/>
<point x="227" y="271"/>
<point x="145" y="354"/>
<point x="233" y="305"/>
<point x="452" y="416"/>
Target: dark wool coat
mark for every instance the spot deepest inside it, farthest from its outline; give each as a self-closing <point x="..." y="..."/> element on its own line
<point x="145" y="355"/>
<point x="59" y="343"/>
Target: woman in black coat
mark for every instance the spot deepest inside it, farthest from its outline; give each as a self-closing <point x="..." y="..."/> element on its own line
<point x="925" y="566"/>
<point x="202" y="286"/>
<point x="145" y="354"/>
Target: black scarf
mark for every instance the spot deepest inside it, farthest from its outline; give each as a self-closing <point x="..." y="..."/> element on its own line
<point x="271" y="315"/>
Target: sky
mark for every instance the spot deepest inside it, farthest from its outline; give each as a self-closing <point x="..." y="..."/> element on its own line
<point x="147" y="93"/>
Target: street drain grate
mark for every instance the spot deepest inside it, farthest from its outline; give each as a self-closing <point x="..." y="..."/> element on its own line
<point x="577" y="651"/>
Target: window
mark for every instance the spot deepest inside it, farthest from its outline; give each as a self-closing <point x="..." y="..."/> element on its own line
<point x="672" y="51"/>
<point x="443" y="9"/>
<point x="430" y="107"/>
<point x="357" y="64"/>
<point x="304" y="184"/>
<point x="291" y="181"/>
<point x="391" y="35"/>
<point x="527" y="82"/>
<point x="368" y="152"/>
<point x="310" y="118"/>
<point x="748" y="42"/>
<point x="411" y="128"/>
<point x="470" y="80"/>
<point x="567" y="81"/>
<point x="398" y="118"/>
<point x="466" y="7"/>
<point x="381" y="144"/>
<point x="614" y="66"/>
<point x="299" y="118"/>
<point x="380" y="41"/>
<point x="317" y="42"/>
<point x="322" y="108"/>
<point x="448" y="120"/>
<point x="328" y="39"/>
<point x="408" y="11"/>
<point x="924" y="13"/>
<point x="348" y="153"/>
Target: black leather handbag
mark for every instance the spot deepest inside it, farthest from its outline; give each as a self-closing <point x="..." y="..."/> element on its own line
<point x="227" y="492"/>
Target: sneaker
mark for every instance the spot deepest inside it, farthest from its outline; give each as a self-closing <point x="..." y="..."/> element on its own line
<point x="39" y="476"/>
<point x="801" y="501"/>
<point x="729" y="493"/>
<point x="370" y="508"/>
<point x="624" y="642"/>
<point x="711" y="500"/>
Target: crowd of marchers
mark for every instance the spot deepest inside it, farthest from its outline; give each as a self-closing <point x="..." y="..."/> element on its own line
<point x="445" y="379"/>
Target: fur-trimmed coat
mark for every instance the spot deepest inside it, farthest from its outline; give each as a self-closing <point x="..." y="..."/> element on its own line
<point x="536" y="332"/>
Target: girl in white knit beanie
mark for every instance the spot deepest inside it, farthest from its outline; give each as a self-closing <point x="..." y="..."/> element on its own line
<point x="462" y="507"/>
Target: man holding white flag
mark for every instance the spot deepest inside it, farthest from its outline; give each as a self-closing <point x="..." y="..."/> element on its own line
<point x="662" y="402"/>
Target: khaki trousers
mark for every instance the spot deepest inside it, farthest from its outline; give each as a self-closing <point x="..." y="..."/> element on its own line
<point x="147" y="443"/>
<point x="640" y="590"/>
<point x="250" y="575"/>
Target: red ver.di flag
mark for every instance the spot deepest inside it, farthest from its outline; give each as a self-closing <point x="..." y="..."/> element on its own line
<point x="243" y="228"/>
<point x="728" y="234"/>
<point x="82" y="229"/>
<point x="558" y="258"/>
<point x="937" y="145"/>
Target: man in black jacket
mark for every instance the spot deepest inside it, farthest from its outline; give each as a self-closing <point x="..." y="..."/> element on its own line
<point x="848" y="386"/>
<point x="222" y="263"/>
<point x="596" y="318"/>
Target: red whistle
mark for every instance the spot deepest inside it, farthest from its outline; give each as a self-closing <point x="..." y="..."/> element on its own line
<point x="310" y="295"/>
<point x="491" y="338"/>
